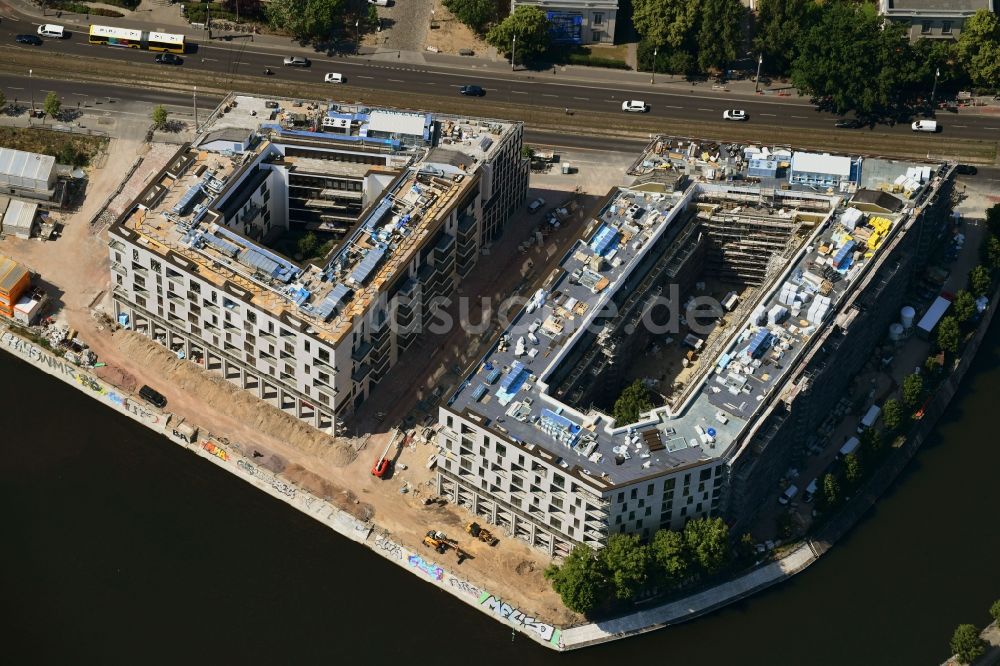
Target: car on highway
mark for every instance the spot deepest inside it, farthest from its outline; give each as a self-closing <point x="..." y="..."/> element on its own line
<point x="34" y="40"/>
<point x="296" y="61"/>
<point x="735" y="114"/>
<point x="848" y="123"/>
<point x="169" y="59"/>
<point x="334" y="77"/>
<point x="472" y="91"/>
<point x="925" y="126"/>
<point x="966" y="170"/>
<point x="635" y="106"/>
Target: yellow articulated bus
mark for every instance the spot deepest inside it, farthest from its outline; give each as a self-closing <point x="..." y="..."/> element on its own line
<point x="136" y="39"/>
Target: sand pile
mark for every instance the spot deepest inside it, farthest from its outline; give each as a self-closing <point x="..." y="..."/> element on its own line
<point x="226" y="397"/>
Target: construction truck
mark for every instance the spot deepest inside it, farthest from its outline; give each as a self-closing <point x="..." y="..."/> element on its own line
<point x="440" y="543"/>
<point x="482" y="534"/>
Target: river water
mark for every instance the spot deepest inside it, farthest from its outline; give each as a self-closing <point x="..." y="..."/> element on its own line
<point x="119" y="547"/>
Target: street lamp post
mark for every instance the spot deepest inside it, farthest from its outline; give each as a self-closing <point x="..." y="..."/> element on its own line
<point x="513" y="47"/>
<point x="31" y="89"/>
<point x="937" y="73"/>
<point x="652" y="77"/>
<point x="357" y="35"/>
<point x="208" y="19"/>
<point x="756" y="82"/>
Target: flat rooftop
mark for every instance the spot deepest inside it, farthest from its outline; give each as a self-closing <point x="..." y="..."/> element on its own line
<point x="426" y="159"/>
<point x="508" y="390"/>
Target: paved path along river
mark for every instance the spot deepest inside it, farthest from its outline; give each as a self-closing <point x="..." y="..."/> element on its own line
<point x="122" y="548"/>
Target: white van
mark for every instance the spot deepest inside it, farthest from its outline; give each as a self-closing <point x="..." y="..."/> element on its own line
<point x="924" y="126"/>
<point x="50" y="30"/>
<point x="788" y="495"/>
<point x="379" y="3"/>
<point x="870" y="417"/>
<point x="334" y="77"/>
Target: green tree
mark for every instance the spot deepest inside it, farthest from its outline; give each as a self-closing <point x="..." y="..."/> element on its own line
<point x="948" y="334"/>
<point x="852" y="470"/>
<point x="831" y="491"/>
<point x="993" y="253"/>
<point x="247" y="9"/>
<point x="967" y="644"/>
<point x="626" y="560"/>
<point x="631" y="403"/>
<point x="913" y="390"/>
<point x="373" y="20"/>
<point x="964" y="306"/>
<point x="581" y="581"/>
<point x="707" y="541"/>
<point x="721" y="33"/>
<point x="530" y="26"/>
<point x="780" y="25"/>
<point x="477" y="14"/>
<point x="665" y="22"/>
<point x="306" y="20"/>
<point x="669" y="558"/>
<point x="979" y="48"/>
<point x="995" y="611"/>
<point x="159" y="116"/>
<point x="993" y="219"/>
<point x="892" y="415"/>
<point x="851" y="60"/>
<point x="980" y="282"/>
<point x="52" y="104"/>
<point x="873" y="443"/>
<point x="308" y="245"/>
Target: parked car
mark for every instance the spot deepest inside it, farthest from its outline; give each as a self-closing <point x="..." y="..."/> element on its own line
<point x="735" y="114"/>
<point x="849" y="123"/>
<point x="152" y="396"/>
<point x="472" y="91"/>
<point x="169" y="59"/>
<point x="635" y="106"/>
<point x="966" y="170"/>
<point x="296" y="61"/>
<point x="536" y="205"/>
<point x="33" y="40"/>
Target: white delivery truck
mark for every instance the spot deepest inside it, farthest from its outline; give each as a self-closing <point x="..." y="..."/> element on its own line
<point x="924" y="126"/>
<point x="869" y="419"/>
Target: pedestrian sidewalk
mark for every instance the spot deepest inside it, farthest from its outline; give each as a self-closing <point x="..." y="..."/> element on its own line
<point x="167" y="18"/>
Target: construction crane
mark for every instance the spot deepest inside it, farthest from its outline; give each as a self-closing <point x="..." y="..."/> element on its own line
<point x="383" y="463"/>
<point x="482" y="534"/>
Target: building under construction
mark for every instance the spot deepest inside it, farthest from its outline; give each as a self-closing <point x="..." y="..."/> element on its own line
<point x="756" y="269"/>
<point x="293" y="247"/>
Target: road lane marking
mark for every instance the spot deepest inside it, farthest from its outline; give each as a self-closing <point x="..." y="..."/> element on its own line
<point x="709" y="110"/>
<point x="209" y="60"/>
<point x="548" y="95"/>
<point x="583" y="99"/>
<point x="670" y="106"/>
<point x="963" y="126"/>
<point x="13" y="88"/>
<point x="396" y="80"/>
<point x="362" y="76"/>
<point x="992" y="128"/>
<point x="767" y="114"/>
<point x="799" y="117"/>
<point x="519" y="92"/>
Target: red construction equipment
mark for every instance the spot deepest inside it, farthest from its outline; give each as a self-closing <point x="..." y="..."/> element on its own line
<point x="383" y="464"/>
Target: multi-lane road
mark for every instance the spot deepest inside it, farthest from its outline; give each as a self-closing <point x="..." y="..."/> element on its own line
<point x="542" y="89"/>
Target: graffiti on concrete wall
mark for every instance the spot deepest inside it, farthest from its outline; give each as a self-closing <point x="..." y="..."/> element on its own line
<point x="258" y="473"/>
<point x="507" y="612"/>
<point x="215" y="450"/>
<point x="464" y="586"/>
<point x="388" y="547"/>
<point x="432" y="570"/>
<point x="61" y="368"/>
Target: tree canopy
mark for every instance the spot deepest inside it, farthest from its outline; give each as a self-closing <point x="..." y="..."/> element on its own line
<point x="477" y="14"/>
<point x="707" y="540"/>
<point x="665" y="22"/>
<point x="831" y="491"/>
<point x="721" y="33"/>
<point x="892" y="415"/>
<point x="948" y="334"/>
<point x="913" y="390"/>
<point x="851" y="60"/>
<point x="979" y="277"/>
<point x="52" y="104"/>
<point x="306" y="20"/>
<point x="979" y="48"/>
<point x="780" y="26"/>
<point x="159" y="116"/>
<point x="633" y="401"/>
<point x="964" y="306"/>
<point x="626" y="559"/>
<point x="581" y="580"/>
<point x="667" y="553"/>
<point x="531" y="27"/>
<point x="852" y="469"/>
<point x="967" y="644"/>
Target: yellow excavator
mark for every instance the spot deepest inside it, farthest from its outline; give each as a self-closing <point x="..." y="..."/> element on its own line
<point x="482" y="534"/>
<point x="440" y="543"/>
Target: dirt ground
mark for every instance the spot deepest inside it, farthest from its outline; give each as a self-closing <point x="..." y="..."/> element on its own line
<point x="451" y="35"/>
<point x="75" y="271"/>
